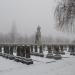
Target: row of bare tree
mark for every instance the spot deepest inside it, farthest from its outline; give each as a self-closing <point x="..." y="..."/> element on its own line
<point x="12" y="38"/>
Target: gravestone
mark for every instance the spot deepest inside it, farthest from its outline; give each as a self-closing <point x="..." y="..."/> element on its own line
<point x="49" y="55"/>
<point x="18" y="50"/>
<point x="6" y="49"/>
<point x="22" y="51"/>
<point x="31" y="48"/>
<point x="11" y="50"/>
<point x="35" y="48"/>
<point x="72" y="50"/>
<point x="40" y="49"/>
<point x="62" y="50"/>
<point x="27" y="51"/>
<point x="57" y="54"/>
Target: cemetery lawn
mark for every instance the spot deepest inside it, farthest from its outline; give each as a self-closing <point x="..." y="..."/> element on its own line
<point x="41" y="66"/>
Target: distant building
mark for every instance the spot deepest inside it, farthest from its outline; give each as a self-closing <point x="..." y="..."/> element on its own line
<point x="38" y="36"/>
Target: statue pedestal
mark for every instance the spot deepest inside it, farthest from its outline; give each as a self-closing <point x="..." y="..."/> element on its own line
<point x="49" y="55"/>
<point x="57" y="56"/>
<point x="37" y="54"/>
<point x="62" y="52"/>
<point x="72" y="53"/>
<point x="41" y="54"/>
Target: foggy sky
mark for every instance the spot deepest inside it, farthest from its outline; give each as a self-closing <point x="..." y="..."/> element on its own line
<point x="28" y="14"/>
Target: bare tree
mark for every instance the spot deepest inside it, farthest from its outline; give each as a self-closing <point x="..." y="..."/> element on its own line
<point x="65" y="14"/>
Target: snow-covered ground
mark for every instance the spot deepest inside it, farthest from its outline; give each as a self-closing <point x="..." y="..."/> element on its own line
<point x="41" y="66"/>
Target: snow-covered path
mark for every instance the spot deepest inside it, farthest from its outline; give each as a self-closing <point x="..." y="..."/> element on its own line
<point x="41" y="66"/>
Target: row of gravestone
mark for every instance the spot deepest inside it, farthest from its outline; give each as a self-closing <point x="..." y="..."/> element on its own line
<point x="57" y="50"/>
<point x="26" y="51"/>
<point x="22" y="53"/>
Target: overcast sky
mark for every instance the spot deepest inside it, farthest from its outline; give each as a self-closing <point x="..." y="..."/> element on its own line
<point x="28" y="14"/>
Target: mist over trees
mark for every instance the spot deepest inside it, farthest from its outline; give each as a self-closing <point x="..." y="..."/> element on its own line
<point x="14" y="37"/>
<point x="7" y="38"/>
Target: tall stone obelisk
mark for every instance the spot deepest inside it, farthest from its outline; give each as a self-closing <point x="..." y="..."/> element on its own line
<point x="38" y="36"/>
